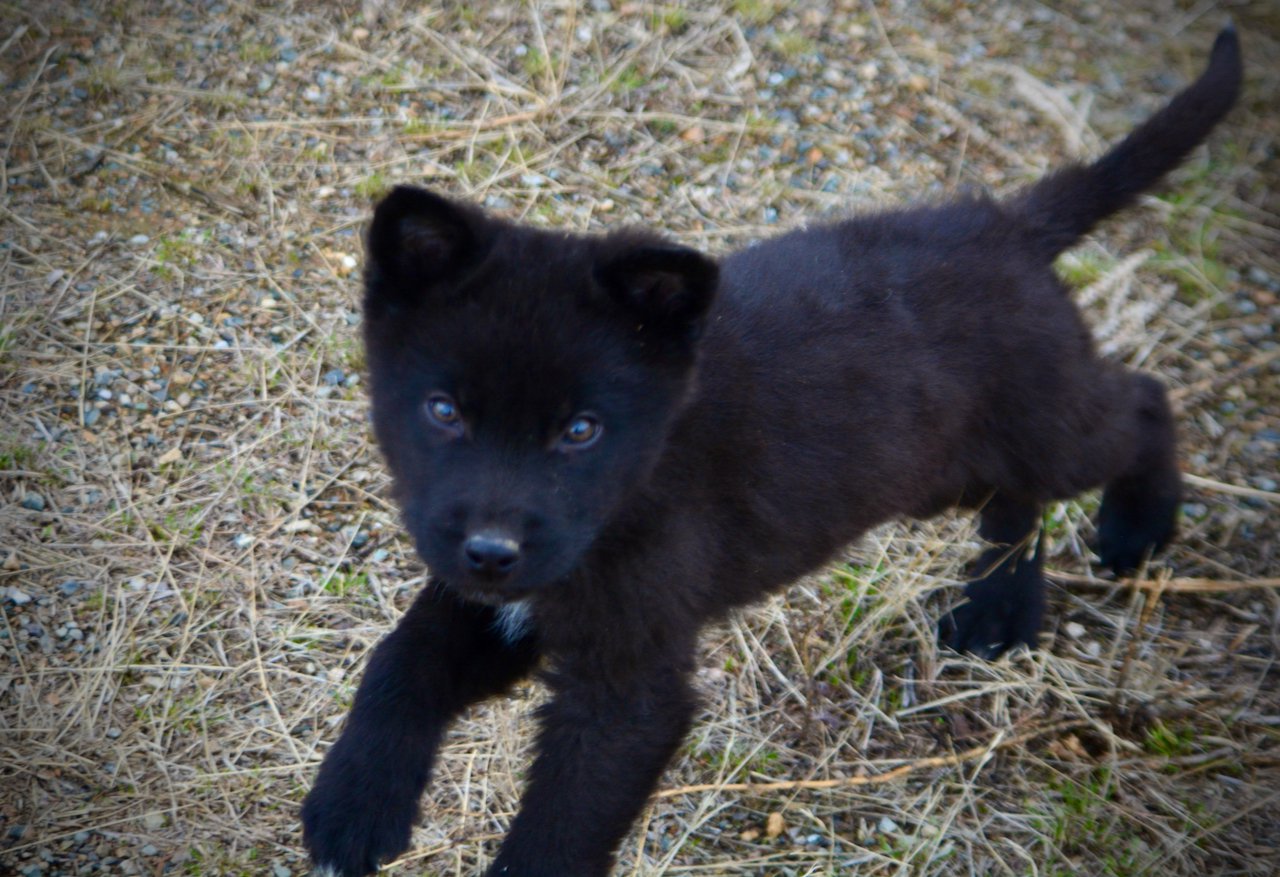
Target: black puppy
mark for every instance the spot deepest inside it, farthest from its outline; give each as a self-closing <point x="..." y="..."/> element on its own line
<point x="600" y="444"/>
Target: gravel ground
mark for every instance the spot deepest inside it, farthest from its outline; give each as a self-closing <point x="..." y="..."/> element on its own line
<point x="196" y="544"/>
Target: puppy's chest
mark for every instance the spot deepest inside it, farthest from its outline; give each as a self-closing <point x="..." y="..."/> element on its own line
<point x="514" y="621"/>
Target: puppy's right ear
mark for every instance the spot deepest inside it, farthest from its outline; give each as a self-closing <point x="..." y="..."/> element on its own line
<point x="417" y="241"/>
<point x="666" y="288"/>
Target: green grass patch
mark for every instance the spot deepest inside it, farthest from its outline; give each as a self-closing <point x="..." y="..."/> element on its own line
<point x="1171" y="742"/>
<point x="178" y="252"/>
<point x="373" y="187"/>
<point x="1079" y="268"/>
<point x="628" y="80"/>
<point x="103" y="81"/>
<point x="662" y="128"/>
<point x="718" y="153"/>
<point x="418" y="128"/>
<point x="346" y="583"/>
<point x="854" y="590"/>
<point x="182" y="527"/>
<point x="671" y="20"/>
<point x="738" y="759"/>
<point x="347" y="350"/>
<point x="221" y="864"/>
<point x="1086" y="824"/>
<point x="1057" y="519"/>
<point x="855" y="586"/>
<point x="255" y="52"/>
<point x="1199" y="278"/>
<point x="16" y="456"/>
<point x="755" y="12"/>
<point x="792" y="45"/>
<point x="535" y="63"/>
<point x="479" y="168"/>
<point x="394" y="78"/>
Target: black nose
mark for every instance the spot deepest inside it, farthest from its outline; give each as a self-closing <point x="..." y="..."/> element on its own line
<point x="491" y="553"/>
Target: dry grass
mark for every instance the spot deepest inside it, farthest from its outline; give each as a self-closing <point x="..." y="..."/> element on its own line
<point x="192" y="505"/>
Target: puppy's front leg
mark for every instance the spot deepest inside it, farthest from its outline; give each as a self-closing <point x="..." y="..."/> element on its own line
<point x="602" y="746"/>
<point x="444" y="655"/>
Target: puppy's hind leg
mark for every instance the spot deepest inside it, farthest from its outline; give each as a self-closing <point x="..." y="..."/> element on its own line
<point x="1005" y="605"/>
<point x="1140" y="504"/>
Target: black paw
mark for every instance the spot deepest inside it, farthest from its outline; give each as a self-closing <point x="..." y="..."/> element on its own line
<point x="987" y="628"/>
<point x="358" y="815"/>
<point x="1134" y="522"/>
<point x="1005" y="608"/>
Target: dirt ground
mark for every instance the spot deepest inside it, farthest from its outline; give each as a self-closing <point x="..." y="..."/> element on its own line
<point x="197" y="549"/>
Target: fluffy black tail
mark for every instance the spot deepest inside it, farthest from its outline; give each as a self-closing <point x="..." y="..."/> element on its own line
<point x="1065" y="205"/>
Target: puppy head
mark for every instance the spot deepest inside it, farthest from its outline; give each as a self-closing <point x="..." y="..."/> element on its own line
<point x="523" y="381"/>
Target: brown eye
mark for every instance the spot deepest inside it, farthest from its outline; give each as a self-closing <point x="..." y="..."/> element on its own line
<point x="581" y="432"/>
<point x="443" y="411"/>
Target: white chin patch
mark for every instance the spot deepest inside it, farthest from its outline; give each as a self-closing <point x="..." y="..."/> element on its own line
<point x="514" y="621"/>
<point x="325" y="871"/>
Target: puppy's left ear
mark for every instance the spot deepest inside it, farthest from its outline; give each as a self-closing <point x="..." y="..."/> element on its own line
<point x="665" y="287"/>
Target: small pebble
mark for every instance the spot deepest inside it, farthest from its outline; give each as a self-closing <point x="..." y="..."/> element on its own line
<point x="18" y="598"/>
<point x="139" y="239"/>
<point x="33" y="502"/>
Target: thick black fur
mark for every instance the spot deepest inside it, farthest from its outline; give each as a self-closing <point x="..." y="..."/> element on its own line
<point x="632" y="439"/>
